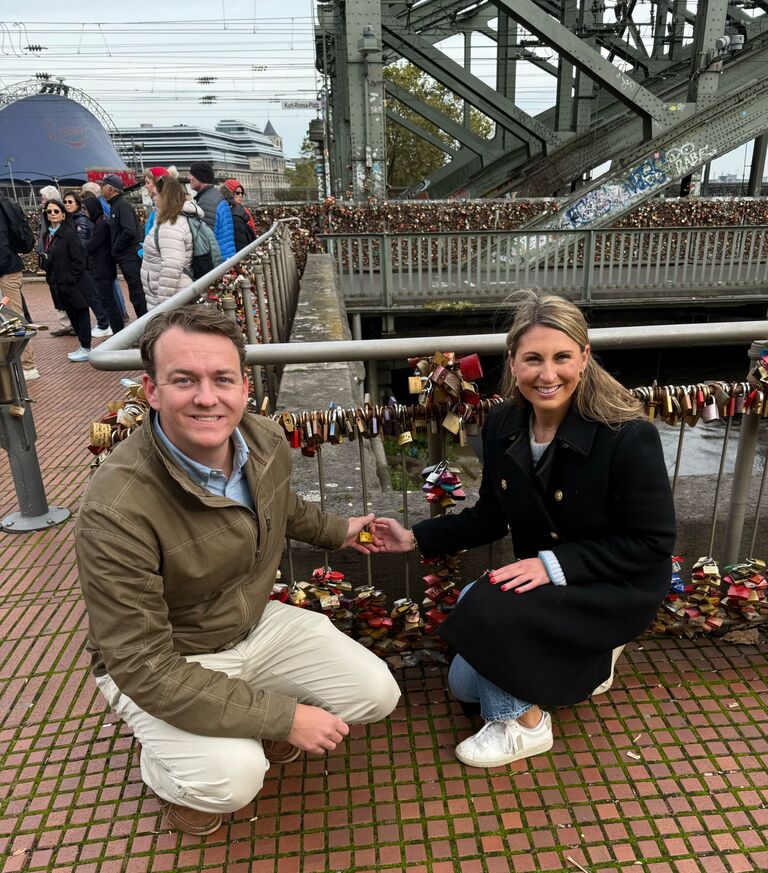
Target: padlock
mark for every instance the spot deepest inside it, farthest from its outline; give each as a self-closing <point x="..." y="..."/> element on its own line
<point x="414" y="384"/>
<point x="405" y="438"/>
<point x="710" y="410"/>
<point x="16" y="410"/>
<point x="452" y="422"/>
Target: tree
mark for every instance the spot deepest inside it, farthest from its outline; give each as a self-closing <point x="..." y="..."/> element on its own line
<point x="303" y="176"/>
<point x="410" y="158"/>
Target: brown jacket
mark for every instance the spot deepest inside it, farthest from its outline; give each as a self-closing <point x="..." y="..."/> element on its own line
<point x="168" y="569"/>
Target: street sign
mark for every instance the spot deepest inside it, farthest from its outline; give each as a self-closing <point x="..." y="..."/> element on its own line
<point x="301" y="104"/>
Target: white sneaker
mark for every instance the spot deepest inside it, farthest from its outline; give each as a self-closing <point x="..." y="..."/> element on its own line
<point x="101" y="331"/>
<point x="29" y="375"/>
<point x="501" y="742"/>
<point x="80" y="354"/>
<point x="605" y="686"/>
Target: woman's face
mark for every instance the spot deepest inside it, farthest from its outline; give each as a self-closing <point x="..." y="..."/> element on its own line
<point x="238" y="194"/>
<point x="547" y="366"/>
<point x="70" y="204"/>
<point x="54" y="214"/>
<point x="151" y="188"/>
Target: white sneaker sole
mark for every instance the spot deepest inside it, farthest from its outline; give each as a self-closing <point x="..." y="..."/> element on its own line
<point x="538" y="749"/>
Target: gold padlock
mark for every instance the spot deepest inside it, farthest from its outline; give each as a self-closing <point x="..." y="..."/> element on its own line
<point x="101" y="434"/>
<point x="452" y="422"/>
<point x="16" y="410"/>
<point x="405" y="437"/>
<point x="365" y="537"/>
<point x="414" y="384"/>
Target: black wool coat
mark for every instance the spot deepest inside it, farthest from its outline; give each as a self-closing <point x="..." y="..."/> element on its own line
<point x="65" y="270"/>
<point x="600" y="500"/>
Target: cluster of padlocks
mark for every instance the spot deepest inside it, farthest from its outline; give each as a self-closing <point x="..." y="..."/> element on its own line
<point x="710" y="601"/>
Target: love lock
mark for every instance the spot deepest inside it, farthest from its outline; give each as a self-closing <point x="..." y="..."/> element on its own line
<point x="710" y="410"/>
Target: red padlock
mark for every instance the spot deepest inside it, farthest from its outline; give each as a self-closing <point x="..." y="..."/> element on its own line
<point x="470" y="367"/>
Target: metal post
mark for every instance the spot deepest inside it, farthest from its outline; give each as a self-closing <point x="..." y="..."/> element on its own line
<point x="742" y="473"/>
<point x="364" y="485"/>
<point x="9" y="161"/>
<point x="718" y="486"/>
<point x="266" y="329"/>
<point x="372" y="380"/>
<point x="589" y="266"/>
<point x="435" y="451"/>
<point x="321" y="487"/>
<point x="273" y="301"/>
<point x="250" y="329"/>
<point x="387" y="279"/>
<point x="278" y="291"/>
<point x="17" y="437"/>
<point x="756" y="170"/>
<point x="406" y="525"/>
<point x="229" y="306"/>
<point x="357" y="326"/>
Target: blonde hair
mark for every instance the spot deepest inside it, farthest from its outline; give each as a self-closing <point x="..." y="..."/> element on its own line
<point x="170" y="201"/>
<point x="598" y="396"/>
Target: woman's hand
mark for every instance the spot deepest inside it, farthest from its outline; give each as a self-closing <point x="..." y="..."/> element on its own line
<point x="354" y="525"/>
<point x="521" y="576"/>
<point x="391" y="536"/>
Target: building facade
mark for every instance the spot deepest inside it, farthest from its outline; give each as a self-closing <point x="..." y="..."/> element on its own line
<point x="237" y="149"/>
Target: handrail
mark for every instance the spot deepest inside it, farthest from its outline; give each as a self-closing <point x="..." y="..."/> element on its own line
<point x="522" y="231"/>
<point x="644" y="336"/>
<point x="104" y="356"/>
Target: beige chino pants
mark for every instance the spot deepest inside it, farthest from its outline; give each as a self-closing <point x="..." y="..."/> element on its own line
<point x="10" y="287"/>
<point x="292" y="651"/>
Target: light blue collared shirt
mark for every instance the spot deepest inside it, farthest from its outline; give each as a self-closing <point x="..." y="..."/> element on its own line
<point x="235" y="487"/>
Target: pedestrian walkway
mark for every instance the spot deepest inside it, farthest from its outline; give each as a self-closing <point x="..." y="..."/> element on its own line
<point x="667" y="773"/>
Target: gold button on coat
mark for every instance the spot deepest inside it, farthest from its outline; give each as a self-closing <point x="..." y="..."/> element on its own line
<point x="503" y="484"/>
<point x="558" y="495"/>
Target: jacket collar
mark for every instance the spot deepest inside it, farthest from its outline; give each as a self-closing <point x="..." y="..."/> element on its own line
<point x="575" y="432"/>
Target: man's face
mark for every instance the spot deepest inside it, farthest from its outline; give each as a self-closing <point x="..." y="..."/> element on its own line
<point x="199" y="393"/>
<point x="194" y="183"/>
<point x="108" y="192"/>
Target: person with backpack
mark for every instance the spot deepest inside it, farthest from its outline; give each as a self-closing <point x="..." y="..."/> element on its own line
<point x="16" y="238"/>
<point x="126" y="238"/>
<point x="212" y="202"/>
<point x="169" y="244"/>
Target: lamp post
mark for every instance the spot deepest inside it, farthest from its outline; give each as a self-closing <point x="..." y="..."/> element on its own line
<point x="9" y="161"/>
<point x="140" y="149"/>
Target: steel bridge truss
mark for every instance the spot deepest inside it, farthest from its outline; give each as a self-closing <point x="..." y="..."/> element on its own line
<point x="624" y="79"/>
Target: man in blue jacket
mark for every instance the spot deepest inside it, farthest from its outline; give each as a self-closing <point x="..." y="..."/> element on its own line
<point x="216" y="210"/>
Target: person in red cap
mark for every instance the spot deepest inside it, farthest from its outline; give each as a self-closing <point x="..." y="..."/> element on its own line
<point x="245" y="227"/>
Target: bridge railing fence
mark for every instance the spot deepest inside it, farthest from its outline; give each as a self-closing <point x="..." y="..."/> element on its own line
<point x="391" y="269"/>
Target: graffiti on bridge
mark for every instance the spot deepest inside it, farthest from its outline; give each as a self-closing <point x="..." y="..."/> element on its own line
<point x="617" y="195"/>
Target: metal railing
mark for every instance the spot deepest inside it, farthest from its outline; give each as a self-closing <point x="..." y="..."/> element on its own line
<point x="594" y="267"/>
<point x="268" y="304"/>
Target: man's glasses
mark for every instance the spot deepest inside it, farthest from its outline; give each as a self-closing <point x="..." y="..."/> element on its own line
<point x="53" y="212"/>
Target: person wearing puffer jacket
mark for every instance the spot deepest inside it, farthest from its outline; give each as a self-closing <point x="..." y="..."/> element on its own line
<point x="168" y="247"/>
<point x="214" y="206"/>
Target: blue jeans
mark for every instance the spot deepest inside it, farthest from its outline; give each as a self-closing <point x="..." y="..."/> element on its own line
<point x="468" y="685"/>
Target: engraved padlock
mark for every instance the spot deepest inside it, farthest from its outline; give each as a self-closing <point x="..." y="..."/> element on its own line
<point x="710" y="410"/>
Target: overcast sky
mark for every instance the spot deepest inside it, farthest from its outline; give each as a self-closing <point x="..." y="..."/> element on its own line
<point x="151" y="62"/>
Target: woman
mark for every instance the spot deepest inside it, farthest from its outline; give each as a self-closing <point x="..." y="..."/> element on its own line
<point x="576" y="474"/>
<point x="64" y="260"/>
<point x="150" y="183"/>
<point x="73" y="203"/>
<point x="245" y="229"/>
<point x="166" y="267"/>
<point x="102" y="268"/>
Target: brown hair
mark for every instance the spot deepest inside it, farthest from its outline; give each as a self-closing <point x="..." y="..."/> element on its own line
<point x="598" y="396"/>
<point x="195" y="318"/>
<point x="171" y="199"/>
<point x="75" y="196"/>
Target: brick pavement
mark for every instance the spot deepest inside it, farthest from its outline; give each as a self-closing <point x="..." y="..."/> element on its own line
<point x="667" y="773"/>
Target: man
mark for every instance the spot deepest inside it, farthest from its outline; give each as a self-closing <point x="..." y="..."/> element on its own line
<point x="126" y="239"/>
<point x="91" y="189"/>
<point x="178" y="541"/>
<point x="15" y="237"/>
<point x="215" y="208"/>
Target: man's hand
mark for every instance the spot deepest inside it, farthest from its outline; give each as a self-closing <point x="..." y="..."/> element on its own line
<point x="315" y="730"/>
<point x="521" y="576"/>
<point x="354" y="526"/>
<point x="391" y="536"/>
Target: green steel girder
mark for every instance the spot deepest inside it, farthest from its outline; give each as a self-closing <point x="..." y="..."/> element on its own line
<point x="590" y="62"/>
<point x="454" y="129"/>
<point x="477" y="93"/>
<point x="672" y="155"/>
<point x="420" y="132"/>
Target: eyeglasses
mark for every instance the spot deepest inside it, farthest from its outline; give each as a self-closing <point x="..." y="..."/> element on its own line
<point x="70" y="202"/>
<point x="239" y="191"/>
<point x="53" y="212"/>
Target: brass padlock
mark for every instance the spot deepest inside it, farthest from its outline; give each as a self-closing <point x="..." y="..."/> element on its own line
<point x="16" y="410"/>
<point x="405" y="438"/>
<point x="414" y="384"/>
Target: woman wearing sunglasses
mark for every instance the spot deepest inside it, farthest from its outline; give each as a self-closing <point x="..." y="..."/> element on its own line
<point x="245" y="229"/>
<point x="64" y="260"/>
